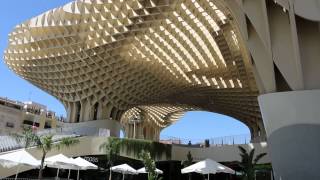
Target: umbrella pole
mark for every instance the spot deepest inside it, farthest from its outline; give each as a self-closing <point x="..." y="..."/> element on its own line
<point x="57" y="173"/>
<point x="110" y="175"/>
<point x="18" y="169"/>
<point x="122" y="176"/>
<point x="69" y="174"/>
<point x="208" y="176"/>
<point x="78" y="174"/>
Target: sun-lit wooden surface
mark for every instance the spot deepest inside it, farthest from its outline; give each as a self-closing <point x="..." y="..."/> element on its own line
<point x="103" y="58"/>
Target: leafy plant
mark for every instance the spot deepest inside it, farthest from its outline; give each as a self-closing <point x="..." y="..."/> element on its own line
<point x="150" y="166"/>
<point x="248" y="162"/>
<point x="188" y="162"/>
<point x="135" y="146"/>
<point x="112" y="150"/>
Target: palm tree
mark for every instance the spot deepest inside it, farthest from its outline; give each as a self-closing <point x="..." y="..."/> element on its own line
<point x="27" y="138"/>
<point x="188" y="162"/>
<point x="46" y="144"/>
<point x="248" y="162"/>
<point x="112" y="150"/>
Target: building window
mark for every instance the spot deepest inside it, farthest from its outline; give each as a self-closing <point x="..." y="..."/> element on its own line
<point x="27" y="122"/>
<point x="30" y="123"/>
<point x="10" y="125"/>
<point x="47" y="125"/>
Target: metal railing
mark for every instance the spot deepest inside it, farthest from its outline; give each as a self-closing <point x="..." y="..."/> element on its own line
<point x="230" y="140"/>
<point x="215" y="141"/>
<point x="9" y="143"/>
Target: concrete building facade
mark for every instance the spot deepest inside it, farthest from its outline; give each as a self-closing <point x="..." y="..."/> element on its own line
<point x="15" y="116"/>
<point x="155" y="60"/>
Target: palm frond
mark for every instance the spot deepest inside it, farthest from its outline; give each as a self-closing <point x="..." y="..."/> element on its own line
<point x="247" y="163"/>
<point x="251" y="155"/>
<point x="103" y="146"/>
<point x="111" y="149"/>
<point x="18" y="137"/>
<point x="258" y="157"/>
<point x="241" y="166"/>
<point x="45" y="142"/>
<point x="188" y="161"/>
<point x="67" y="142"/>
<point x="27" y="138"/>
<point x="242" y="150"/>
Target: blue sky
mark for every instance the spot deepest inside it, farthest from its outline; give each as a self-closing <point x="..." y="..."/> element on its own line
<point x="200" y="125"/>
<point x="13" y="12"/>
<point x="194" y="125"/>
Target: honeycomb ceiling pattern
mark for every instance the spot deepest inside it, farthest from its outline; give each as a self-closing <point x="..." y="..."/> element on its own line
<point x="160" y="115"/>
<point x="137" y="55"/>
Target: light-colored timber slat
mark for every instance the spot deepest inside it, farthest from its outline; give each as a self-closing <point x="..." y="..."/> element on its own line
<point x="127" y="58"/>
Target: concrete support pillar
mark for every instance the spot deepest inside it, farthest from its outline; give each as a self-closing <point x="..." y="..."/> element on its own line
<point x="127" y="134"/>
<point x="129" y="131"/>
<point x="114" y="112"/>
<point x="82" y="111"/>
<point x="156" y="136"/>
<point x="71" y="112"/>
<point x="108" y="110"/>
<point x="139" y="131"/>
<point x="258" y="133"/>
<point x="150" y="133"/>
<point x="292" y="122"/>
<point x="102" y="111"/>
<point x="147" y="132"/>
<point x="93" y="111"/>
<point x="85" y="113"/>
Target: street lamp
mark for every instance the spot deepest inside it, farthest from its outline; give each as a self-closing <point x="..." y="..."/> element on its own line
<point x="134" y="120"/>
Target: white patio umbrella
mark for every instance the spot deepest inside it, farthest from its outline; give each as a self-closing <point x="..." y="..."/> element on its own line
<point x="60" y="161"/>
<point x="143" y="170"/>
<point x="124" y="169"/>
<point x="83" y="164"/>
<point x="207" y="166"/>
<point x="18" y="158"/>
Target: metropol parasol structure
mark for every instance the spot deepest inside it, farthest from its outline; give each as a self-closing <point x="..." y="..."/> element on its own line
<point x="154" y="60"/>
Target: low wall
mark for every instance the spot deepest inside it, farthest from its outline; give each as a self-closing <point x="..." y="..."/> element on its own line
<point x="91" y="128"/>
<point x="90" y="146"/>
<point x="225" y="153"/>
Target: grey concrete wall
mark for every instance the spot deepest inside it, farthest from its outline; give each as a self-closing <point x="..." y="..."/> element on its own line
<point x="91" y="128"/>
<point x="226" y="153"/>
<point x="10" y="115"/>
<point x="292" y="121"/>
<point x="295" y="152"/>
